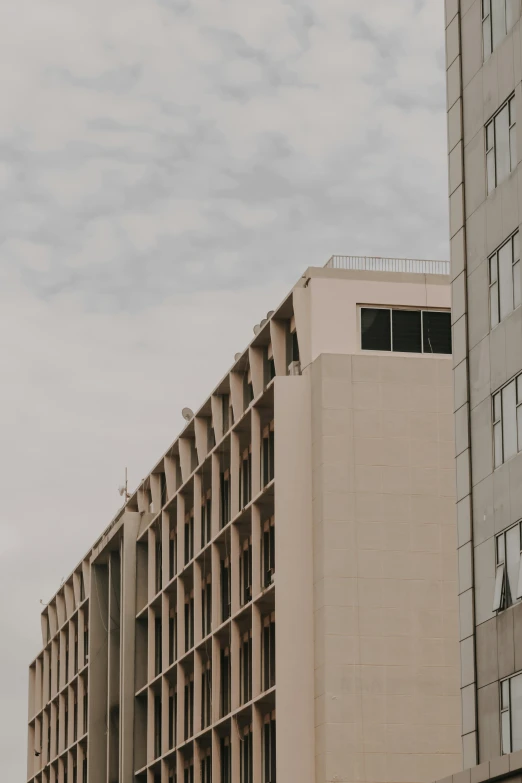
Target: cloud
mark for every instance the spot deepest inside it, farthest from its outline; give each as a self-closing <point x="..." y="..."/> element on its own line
<point x="167" y="170"/>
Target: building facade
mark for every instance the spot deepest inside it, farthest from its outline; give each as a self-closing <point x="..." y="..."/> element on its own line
<point x="484" y="71"/>
<point x="277" y="601"/>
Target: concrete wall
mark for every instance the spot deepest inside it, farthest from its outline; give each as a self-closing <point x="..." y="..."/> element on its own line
<point x="386" y="631"/>
<point x="488" y="500"/>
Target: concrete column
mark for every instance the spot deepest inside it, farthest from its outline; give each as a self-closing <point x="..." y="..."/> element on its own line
<point x="294" y="593"/>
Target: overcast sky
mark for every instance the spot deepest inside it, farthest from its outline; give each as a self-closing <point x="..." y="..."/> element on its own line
<point x="168" y="169"/>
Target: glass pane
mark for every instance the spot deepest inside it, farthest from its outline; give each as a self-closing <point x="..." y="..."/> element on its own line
<point x="519" y="427"/>
<point x="375" y="330"/>
<point x="486" y="35"/>
<point x="505" y="277"/>
<point x="509" y="422"/>
<point x="493" y="269"/>
<point x="512" y="111"/>
<point x="516" y="285"/>
<point x="513" y="156"/>
<point x="516" y="713"/>
<point x="519" y="388"/>
<point x="505" y="695"/>
<point x="497" y="408"/>
<point x="497" y="436"/>
<point x="490" y="136"/>
<point x="512" y="13"/>
<point x="512" y="562"/>
<point x="406" y="331"/>
<point x="516" y="247"/>
<point x="506" y="734"/>
<point x="485" y="8"/>
<point x="498" y="13"/>
<point x="490" y="164"/>
<point x="493" y="292"/>
<point x="502" y="153"/>
<point x="436" y="332"/>
<point x="500" y="549"/>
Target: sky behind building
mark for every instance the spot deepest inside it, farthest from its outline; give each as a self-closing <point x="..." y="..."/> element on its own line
<point x="167" y="170"/>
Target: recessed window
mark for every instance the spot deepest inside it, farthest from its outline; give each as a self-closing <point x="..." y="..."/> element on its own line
<point x="498" y="17"/>
<point x="405" y="331"/>
<point x="501" y="145"/>
<point x="507" y="421"/>
<point x="508" y="580"/>
<point x="505" y="293"/>
<point x="511" y="713"/>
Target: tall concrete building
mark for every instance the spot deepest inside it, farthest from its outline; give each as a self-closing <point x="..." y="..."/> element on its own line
<point x="277" y="601"/>
<point x="484" y="71"/>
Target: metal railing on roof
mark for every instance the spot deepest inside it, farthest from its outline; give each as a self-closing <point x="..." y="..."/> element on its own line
<point x="376" y="264"/>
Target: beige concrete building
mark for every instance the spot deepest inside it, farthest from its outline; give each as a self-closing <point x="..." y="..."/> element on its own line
<point x="484" y="73"/>
<point x="277" y="601"/>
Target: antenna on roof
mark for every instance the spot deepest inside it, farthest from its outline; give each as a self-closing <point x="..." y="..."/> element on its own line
<point x="270" y="314"/>
<point x="187" y="414"/>
<point x="237" y="356"/>
<point x="257" y="329"/>
<point x="123" y="488"/>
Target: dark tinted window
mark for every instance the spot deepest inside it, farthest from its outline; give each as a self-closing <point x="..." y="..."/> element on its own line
<point x="406" y="330"/>
<point x="436" y="332"/>
<point x="375" y="329"/>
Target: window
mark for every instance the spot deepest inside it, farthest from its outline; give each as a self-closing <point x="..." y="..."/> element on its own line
<point x="157" y="726"/>
<point x="225" y="763"/>
<point x="507" y="421"/>
<point x="206" y="768"/>
<point x="268" y="545"/>
<point x="206" y="607"/>
<point x="269" y="750"/>
<point x="245" y="568"/>
<point x="225" y="590"/>
<point x="206" y="696"/>
<point x="225" y="497"/>
<point x="245" y="479"/>
<point x="206" y="519"/>
<point x="245" y="668"/>
<point x="405" y="331"/>
<point x="268" y="656"/>
<point x="189" y="537"/>
<point x="505" y="293"/>
<point x="246" y="756"/>
<point x="225" y="682"/>
<point x="157" y="646"/>
<point x="511" y="713"/>
<point x="173" y="635"/>
<point x="248" y="390"/>
<point x="173" y="549"/>
<point x="188" y="772"/>
<point x="172" y="717"/>
<point x="508" y="581"/>
<point x="498" y="17"/>
<point x="501" y="145"/>
<point x="189" y="707"/>
<point x="189" y="623"/>
<point x="268" y="454"/>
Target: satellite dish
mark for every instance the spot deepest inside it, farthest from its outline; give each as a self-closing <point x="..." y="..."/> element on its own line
<point x="270" y="314"/>
<point x="237" y="356"/>
<point x="257" y="329"/>
<point x="263" y="323"/>
<point x="187" y="414"/>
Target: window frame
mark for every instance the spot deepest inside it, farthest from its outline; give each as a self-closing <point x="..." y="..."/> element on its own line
<point x="491" y="149"/>
<point x="498" y="420"/>
<point x="420" y="310"/>
<point x="488" y="24"/>
<point x="502" y="594"/>
<point x="494" y="273"/>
